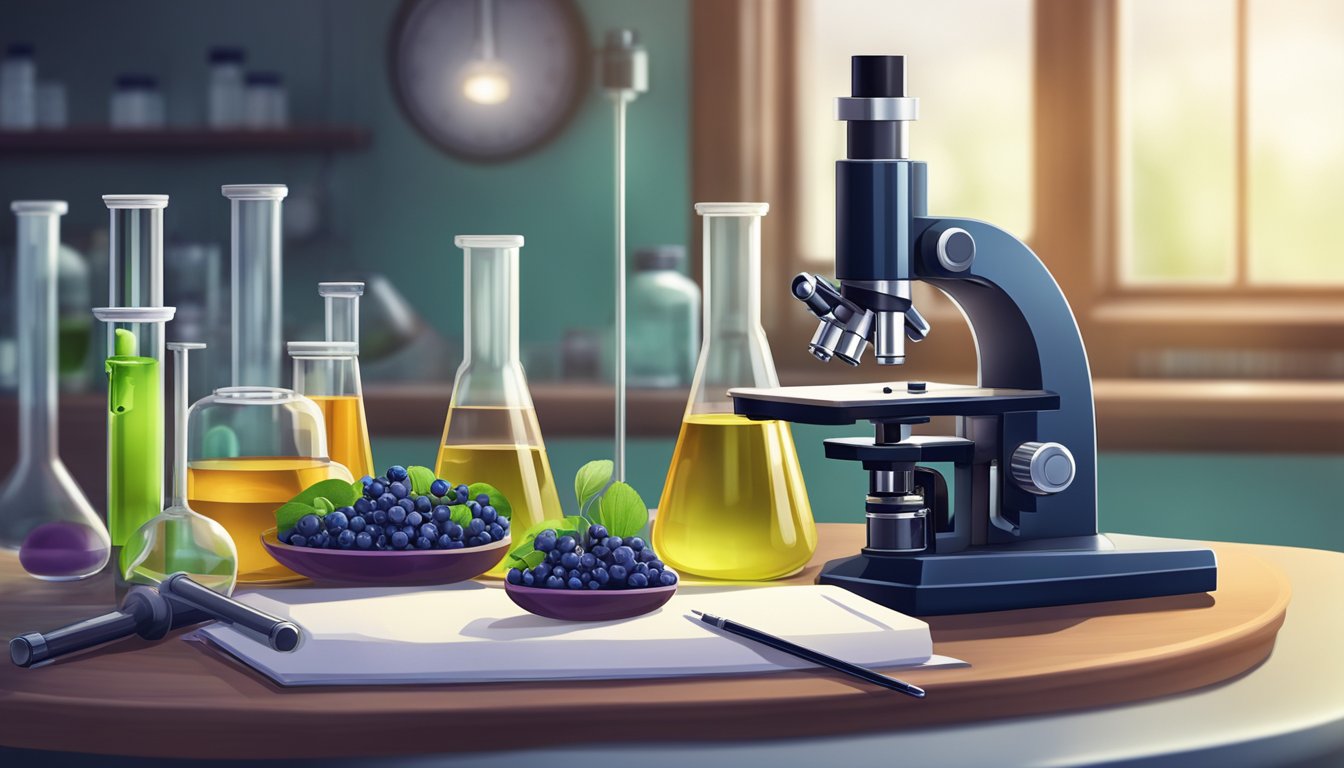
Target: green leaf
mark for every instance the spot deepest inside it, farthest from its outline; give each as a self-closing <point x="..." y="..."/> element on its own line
<point x="528" y="560"/>
<point x="323" y="505"/>
<point x="497" y="500"/>
<point x="623" y="512"/>
<point x="289" y="513"/>
<point x="358" y="488"/>
<point x="338" y="492"/>
<point x="591" y="479"/>
<point x="421" y="479"/>
<point x="461" y="515"/>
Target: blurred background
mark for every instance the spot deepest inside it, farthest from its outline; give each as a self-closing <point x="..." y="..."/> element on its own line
<point x="1177" y="164"/>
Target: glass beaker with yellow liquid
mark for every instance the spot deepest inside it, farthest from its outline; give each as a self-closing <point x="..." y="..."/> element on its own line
<point x="734" y="505"/>
<point x="327" y="372"/>
<point x="491" y="433"/>
<point x="250" y="450"/>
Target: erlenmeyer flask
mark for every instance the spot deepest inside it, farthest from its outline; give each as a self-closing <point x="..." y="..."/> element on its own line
<point x="43" y="513"/>
<point x="734" y="505"/>
<point x="491" y="433"/>
<point x="327" y="372"/>
<point x="178" y="539"/>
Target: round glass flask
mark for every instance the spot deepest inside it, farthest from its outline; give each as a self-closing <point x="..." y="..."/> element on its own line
<point x="491" y="433"/>
<point x="250" y="450"/>
<point x="43" y="513"/>
<point x="178" y="539"/>
<point x="734" y="505"/>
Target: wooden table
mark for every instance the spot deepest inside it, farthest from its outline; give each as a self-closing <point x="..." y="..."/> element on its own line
<point x="178" y="699"/>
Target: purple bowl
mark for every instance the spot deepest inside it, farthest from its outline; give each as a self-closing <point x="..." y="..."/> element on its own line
<point x="418" y="567"/>
<point x="589" y="604"/>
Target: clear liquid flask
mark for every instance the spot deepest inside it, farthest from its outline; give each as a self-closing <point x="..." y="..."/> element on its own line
<point x="734" y="505"/>
<point x="179" y="539"/>
<point x="250" y="450"/>
<point x="491" y="433"/>
<point x="327" y="372"/>
<point x="43" y="513"/>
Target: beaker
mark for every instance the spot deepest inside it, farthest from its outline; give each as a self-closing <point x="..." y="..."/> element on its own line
<point x="135" y="321"/>
<point x="255" y="212"/>
<point x="734" y="505"/>
<point x="250" y="450"/>
<point x="43" y="512"/>
<point x="491" y="433"/>
<point x="327" y="372"/>
<point x="178" y="539"/>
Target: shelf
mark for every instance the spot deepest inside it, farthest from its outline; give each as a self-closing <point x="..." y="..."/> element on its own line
<point x="102" y="139"/>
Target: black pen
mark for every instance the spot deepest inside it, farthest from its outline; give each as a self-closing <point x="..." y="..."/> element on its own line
<point x="779" y="644"/>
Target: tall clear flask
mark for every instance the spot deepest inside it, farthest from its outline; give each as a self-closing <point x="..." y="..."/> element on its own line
<point x="43" y="513"/>
<point x="178" y="539"/>
<point x="491" y="433"/>
<point x="327" y="372"/>
<point x="255" y="211"/>
<point x="135" y="321"/>
<point x="734" y="505"/>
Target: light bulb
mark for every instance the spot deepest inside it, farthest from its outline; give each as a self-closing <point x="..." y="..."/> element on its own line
<point x="486" y="81"/>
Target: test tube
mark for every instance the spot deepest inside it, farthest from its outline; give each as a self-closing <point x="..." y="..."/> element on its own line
<point x="135" y="337"/>
<point x="342" y="307"/>
<point x="256" y="258"/>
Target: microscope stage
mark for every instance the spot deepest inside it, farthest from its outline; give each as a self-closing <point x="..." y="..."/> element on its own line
<point x="878" y="401"/>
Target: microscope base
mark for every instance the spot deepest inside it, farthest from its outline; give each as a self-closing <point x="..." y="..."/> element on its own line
<point x="1000" y="580"/>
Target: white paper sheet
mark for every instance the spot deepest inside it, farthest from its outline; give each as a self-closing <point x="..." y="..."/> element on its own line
<point x="472" y="632"/>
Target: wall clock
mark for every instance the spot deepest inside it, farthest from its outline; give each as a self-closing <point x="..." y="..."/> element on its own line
<point x="489" y="80"/>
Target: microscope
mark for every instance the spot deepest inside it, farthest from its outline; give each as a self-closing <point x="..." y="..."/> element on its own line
<point x="1018" y="526"/>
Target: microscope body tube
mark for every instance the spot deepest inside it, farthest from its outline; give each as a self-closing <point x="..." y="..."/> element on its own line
<point x="257" y="269"/>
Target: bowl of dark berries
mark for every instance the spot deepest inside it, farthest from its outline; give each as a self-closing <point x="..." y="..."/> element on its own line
<point x="407" y="528"/>
<point x="589" y="576"/>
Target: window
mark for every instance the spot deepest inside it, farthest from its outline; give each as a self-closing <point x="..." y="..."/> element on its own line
<point x="1231" y="156"/>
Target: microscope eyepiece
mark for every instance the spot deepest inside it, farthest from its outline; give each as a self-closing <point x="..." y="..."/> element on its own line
<point x="877" y="76"/>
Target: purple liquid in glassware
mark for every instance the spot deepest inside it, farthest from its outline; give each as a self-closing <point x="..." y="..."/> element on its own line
<point x="62" y="551"/>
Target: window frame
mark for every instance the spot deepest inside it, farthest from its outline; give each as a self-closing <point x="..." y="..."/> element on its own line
<point x="743" y="136"/>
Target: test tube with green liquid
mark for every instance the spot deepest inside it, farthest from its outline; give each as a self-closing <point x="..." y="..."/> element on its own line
<point x="135" y="418"/>
<point x="135" y="319"/>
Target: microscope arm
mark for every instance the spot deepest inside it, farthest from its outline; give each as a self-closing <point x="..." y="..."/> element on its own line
<point x="1026" y="338"/>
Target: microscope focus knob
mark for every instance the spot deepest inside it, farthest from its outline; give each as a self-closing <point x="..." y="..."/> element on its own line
<point x="1043" y="468"/>
<point x="955" y="249"/>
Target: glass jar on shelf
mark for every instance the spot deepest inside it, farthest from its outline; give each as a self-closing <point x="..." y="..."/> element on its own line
<point x="734" y="505"/>
<point x="665" y="319"/>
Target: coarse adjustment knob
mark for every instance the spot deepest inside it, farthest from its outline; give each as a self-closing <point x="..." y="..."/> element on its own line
<point x="1042" y="468"/>
<point x="955" y="249"/>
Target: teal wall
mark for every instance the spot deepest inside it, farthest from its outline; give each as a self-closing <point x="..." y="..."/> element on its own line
<point x="395" y="207"/>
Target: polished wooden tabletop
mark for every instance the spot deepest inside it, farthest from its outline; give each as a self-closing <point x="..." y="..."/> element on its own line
<point x="177" y="698"/>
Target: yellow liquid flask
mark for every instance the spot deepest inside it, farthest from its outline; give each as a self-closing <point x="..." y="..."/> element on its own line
<point x="734" y="505"/>
<point x="327" y="372"/>
<point x="491" y="433"/>
<point x="250" y="450"/>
